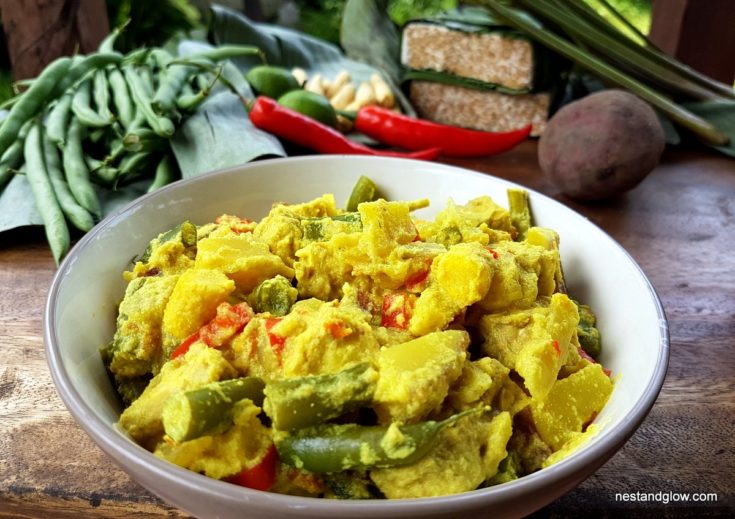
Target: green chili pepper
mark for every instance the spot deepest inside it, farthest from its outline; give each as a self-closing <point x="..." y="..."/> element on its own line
<point x="295" y="403"/>
<point x="77" y="173"/>
<point x="334" y="448"/>
<point x="365" y="190"/>
<point x="208" y="410"/>
<point x="32" y="101"/>
<point x="57" y="233"/>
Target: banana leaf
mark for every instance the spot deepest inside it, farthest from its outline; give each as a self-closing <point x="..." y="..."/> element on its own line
<point x="17" y="206"/>
<point x="289" y="48"/>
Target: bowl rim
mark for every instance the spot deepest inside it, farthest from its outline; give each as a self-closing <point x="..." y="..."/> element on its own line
<point x="130" y="456"/>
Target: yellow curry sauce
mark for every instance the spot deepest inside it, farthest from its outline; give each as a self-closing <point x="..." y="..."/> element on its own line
<point x="360" y="354"/>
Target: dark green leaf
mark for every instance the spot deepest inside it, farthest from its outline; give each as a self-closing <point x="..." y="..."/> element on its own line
<point x="17" y="205"/>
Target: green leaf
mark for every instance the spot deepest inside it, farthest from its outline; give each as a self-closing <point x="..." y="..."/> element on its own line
<point x="288" y="48"/>
<point x="722" y="115"/>
<point x="17" y="205"/>
<point x="452" y="79"/>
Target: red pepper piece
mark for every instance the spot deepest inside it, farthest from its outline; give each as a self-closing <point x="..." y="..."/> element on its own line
<point x="278" y="342"/>
<point x="262" y="476"/>
<point x="397" y="310"/>
<point x="297" y="128"/>
<point x="407" y="132"/>
<point x="230" y="319"/>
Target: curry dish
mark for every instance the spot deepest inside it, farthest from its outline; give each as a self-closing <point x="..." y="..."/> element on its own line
<point x="358" y="353"/>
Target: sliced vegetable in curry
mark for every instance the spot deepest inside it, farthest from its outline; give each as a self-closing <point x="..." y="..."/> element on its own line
<point x="358" y="353"/>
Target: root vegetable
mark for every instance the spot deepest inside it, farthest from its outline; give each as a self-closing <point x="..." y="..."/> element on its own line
<point x="601" y="145"/>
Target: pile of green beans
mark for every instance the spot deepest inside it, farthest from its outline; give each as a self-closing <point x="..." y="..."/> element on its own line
<point x="92" y="123"/>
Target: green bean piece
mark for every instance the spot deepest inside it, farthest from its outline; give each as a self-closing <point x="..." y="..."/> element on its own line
<point x="520" y="211"/>
<point x="449" y="235"/>
<point x="208" y="410"/>
<point x="148" y="80"/>
<point x="163" y="126"/>
<point x="32" y="101"/>
<point x="82" y="66"/>
<point x="82" y="109"/>
<point x="587" y="332"/>
<point x="299" y="402"/>
<point x="275" y="296"/>
<point x="12" y="159"/>
<point x="75" y="168"/>
<point x="57" y="233"/>
<point x="365" y="190"/>
<point x="107" y="45"/>
<point x="58" y="119"/>
<point x="101" y="94"/>
<point x="337" y="447"/>
<point x="75" y="213"/>
<point x="160" y="58"/>
<point x="144" y="139"/>
<point x="165" y="173"/>
<point x="121" y="96"/>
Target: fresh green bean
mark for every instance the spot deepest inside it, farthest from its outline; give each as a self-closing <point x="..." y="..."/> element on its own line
<point x="148" y="80"/>
<point x="298" y="402"/>
<point x="227" y="52"/>
<point x="163" y="126"/>
<point x="165" y="173"/>
<point x="160" y="58"/>
<point x="101" y="94"/>
<point x="57" y="121"/>
<point x="121" y="96"/>
<point x="107" y="45"/>
<point x="164" y="101"/>
<point x="365" y="190"/>
<point x="80" y="105"/>
<point x="83" y="65"/>
<point x="208" y="410"/>
<point x="102" y="173"/>
<point x="32" y="101"/>
<point x="57" y="232"/>
<point x="8" y="103"/>
<point x="75" y="168"/>
<point x="143" y="139"/>
<point x="77" y="215"/>
<point x="335" y="448"/>
<point x="190" y="101"/>
<point x="132" y="166"/>
<point x="203" y="80"/>
<point x="12" y="159"/>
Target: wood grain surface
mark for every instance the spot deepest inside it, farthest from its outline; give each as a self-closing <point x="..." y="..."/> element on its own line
<point x="679" y="224"/>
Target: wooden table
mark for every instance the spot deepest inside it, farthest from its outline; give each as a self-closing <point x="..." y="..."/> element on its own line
<point x="679" y="224"/>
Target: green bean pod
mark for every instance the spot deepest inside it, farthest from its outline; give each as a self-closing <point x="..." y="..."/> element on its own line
<point x="143" y="139"/>
<point x="57" y="232"/>
<point x="75" y="213"/>
<point x="334" y="448"/>
<point x="82" y="109"/>
<point x="81" y="67"/>
<point x="121" y="96"/>
<point x="77" y="173"/>
<point x="132" y="165"/>
<point x="163" y="126"/>
<point x="298" y="402"/>
<point x="164" y="101"/>
<point x="32" y="101"/>
<point x="101" y="94"/>
<point x="12" y="159"/>
<point x="275" y="296"/>
<point x="208" y="410"/>
<point x="224" y="52"/>
<point x="101" y="172"/>
<point x="165" y="173"/>
<point x="57" y="121"/>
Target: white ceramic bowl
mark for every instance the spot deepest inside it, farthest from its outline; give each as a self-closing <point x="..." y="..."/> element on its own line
<point x="82" y="305"/>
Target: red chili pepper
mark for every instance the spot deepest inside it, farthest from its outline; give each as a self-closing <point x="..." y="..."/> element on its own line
<point x="292" y="126"/>
<point x="230" y="319"/>
<point x="407" y="132"/>
<point x="260" y="477"/>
